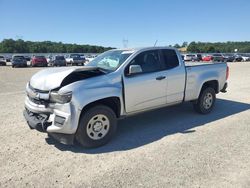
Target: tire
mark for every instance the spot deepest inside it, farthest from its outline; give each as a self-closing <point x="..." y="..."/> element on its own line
<point x="96" y="127"/>
<point x="205" y="102"/>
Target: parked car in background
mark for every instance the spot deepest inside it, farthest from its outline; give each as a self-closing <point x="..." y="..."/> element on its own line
<point x="238" y="58"/>
<point x="58" y="60"/>
<point x="2" y="61"/>
<point x="207" y="58"/>
<point x="89" y="58"/>
<point x="75" y="59"/>
<point x="197" y="57"/>
<point x="18" y="61"/>
<point x="245" y="58"/>
<point x="189" y="57"/>
<point x="49" y="58"/>
<point x="218" y="57"/>
<point x="229" y="57"/>
<point x="39" y="61"/>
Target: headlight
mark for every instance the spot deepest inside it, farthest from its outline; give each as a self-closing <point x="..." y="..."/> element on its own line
<point x="60" y="97"/>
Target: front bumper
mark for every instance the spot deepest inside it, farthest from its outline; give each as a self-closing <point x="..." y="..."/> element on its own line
<point x="40" y="122"/>
<point x="36" y="121"/>
<point x="19" y="64"/>
<point x="58" y="120"/>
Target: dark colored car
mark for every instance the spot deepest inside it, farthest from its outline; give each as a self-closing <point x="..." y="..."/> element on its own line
<point x="58" y="60"/>
<point x="218" y="57"/>
<point x="199" y="57"/>
<point x="238" y="58"/>
<point x="2" y="61"/>
<point x="230" y="58"/>
<point x="234" y="58"/>
<point x="39" y="61"/>
<point x="18" y="61"/>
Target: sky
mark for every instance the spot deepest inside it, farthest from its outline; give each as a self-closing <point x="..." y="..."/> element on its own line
<point x="134" y="23"/>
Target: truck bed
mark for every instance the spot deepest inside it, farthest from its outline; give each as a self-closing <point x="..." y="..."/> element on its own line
<point x="198" y="72"/>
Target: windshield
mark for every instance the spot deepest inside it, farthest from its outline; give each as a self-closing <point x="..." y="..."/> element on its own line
<point x="60" y="58"/>
<point x="18" y="57"/>
<point x="110" y="60"/>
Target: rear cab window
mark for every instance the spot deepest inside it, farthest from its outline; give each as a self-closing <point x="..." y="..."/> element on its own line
<point x="170" y="58"/>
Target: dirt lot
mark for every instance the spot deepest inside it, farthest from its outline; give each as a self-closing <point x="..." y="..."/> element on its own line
<point x="171" y="147"/>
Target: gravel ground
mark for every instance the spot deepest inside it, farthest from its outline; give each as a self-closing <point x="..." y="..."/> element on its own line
<point x="171" y="147"/>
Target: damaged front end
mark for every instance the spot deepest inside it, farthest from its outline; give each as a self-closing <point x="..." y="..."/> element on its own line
<point x="51" y="109"/>
<point x="37" y="121"/>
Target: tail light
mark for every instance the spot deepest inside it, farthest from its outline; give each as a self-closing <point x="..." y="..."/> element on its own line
<point x="227" y="74"/>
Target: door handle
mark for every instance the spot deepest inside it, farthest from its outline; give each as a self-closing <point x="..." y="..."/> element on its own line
<point x="160" y="77"/>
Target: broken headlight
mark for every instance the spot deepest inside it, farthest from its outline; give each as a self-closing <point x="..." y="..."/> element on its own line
<point x="60" y="97"/>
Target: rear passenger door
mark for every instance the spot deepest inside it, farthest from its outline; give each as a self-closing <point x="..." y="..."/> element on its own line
<point x="175" y="76"/>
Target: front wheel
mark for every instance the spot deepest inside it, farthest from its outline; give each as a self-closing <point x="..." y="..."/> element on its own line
<point x="205" y="102"/>
<point x="96" y="126"/>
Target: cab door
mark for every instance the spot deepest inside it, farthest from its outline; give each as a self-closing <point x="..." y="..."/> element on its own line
<point x="147" y="89"/>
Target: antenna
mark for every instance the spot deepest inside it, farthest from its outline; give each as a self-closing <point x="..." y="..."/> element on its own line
<point x="155" y="43"/>
<point x="125" y="43"/>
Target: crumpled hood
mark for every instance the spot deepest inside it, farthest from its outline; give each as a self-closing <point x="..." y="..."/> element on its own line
<point x="52" y="78"/>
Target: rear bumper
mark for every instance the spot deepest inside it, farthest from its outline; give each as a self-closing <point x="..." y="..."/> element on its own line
<point x="41" y="122"/>
<point x="40" y="64"/>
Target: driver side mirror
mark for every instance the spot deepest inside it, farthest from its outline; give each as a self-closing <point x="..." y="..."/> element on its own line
<point x="134" y="69"/>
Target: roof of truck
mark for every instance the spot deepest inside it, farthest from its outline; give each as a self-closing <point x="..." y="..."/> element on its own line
<point x="145" y="48"/>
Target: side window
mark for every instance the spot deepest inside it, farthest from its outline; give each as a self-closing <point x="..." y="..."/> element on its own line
<point x="149" y="61"/>
<point x="170" y="58"/>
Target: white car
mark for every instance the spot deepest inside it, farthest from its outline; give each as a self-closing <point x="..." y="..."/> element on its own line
<point x="75" y="59"/>
<point x="245" y="58"/>
<point x="89" y="58"/>
<point x="189" y="57"/>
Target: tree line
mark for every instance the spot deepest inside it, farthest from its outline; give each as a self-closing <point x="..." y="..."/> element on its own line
<point x="219" y="47"/>
<point x="21" y="46"/>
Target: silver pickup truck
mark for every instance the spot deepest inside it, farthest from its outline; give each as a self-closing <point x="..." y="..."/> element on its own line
<point x="84" y="103"/>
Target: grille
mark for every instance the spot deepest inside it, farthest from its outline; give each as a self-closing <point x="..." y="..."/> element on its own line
<point x="38" y="101"/>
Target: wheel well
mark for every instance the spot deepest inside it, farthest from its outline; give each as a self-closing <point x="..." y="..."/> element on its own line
<point x="213" y="84"/>
<point x="112" y="102"/>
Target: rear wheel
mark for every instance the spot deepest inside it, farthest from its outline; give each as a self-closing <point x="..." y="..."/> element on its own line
<point x="205" y="102"/>
<point x="96" y="126"/>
